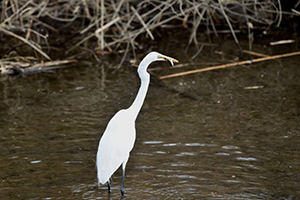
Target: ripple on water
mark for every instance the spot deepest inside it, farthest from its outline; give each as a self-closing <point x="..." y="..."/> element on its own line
<point x="186" y="154"/>
<point x="35" y="161"/>
<point x="230" y="147"/>
<point x="160" y="152"/>
<point x="246" y="158"/>
<point x="222" y="154"/>
<point x="171" y="144"/>
<point x="152" y="142"/>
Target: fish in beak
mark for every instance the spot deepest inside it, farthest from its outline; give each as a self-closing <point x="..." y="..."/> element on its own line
<point x="169" y="59"/>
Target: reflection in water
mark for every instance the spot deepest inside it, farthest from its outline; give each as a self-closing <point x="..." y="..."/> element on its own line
<point x="230" y="143"/>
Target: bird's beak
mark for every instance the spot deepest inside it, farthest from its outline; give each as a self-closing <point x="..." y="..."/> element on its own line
<point x="169" y="59"/>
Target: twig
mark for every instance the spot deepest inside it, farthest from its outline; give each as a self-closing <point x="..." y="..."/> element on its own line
<point x="16" y="13"/>
<point x="142" y="22"/>
<point x="95" y="33"/>
<point x="280" y="13"/>
<point x="25" y="41"/>
<point x="295" y="11"/>
<point x="181" y="65"/>
<point x="52" y="63"/>
<point x="46" y="25"/>
<point x="17" y="68"/>
<point x="101" y="37"/>
<point x="281" y="42"/>
<point x="86" y="9"/>
<point x="255" y="53"/>
<point x="229" y="24"/>
<point x="230" y="65"/>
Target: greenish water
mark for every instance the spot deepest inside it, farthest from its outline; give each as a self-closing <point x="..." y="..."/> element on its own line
<point x="231" y="141"/>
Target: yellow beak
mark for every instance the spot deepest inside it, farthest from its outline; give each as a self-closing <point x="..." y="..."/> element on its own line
<point x="167" y="58"/>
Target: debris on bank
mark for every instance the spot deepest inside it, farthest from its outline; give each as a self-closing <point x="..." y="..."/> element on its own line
<point x="27" y="65"/>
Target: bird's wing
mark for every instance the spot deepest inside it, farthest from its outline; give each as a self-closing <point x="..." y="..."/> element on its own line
<point x="114" y="146"/>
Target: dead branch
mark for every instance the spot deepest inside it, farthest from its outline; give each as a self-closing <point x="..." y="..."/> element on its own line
<point x="25" y="41"/>
<point x="230" y="65"/>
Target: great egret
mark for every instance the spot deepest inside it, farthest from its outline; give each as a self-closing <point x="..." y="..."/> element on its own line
<point x="119" y="136"/>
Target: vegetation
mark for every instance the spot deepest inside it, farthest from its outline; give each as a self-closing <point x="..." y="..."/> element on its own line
<point x="44" y="29"/>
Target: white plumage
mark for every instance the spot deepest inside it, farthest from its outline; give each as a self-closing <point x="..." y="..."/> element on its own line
<point x="119" y="136"/>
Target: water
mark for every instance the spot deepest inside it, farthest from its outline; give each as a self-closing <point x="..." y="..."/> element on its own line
<point x="230" y="141"/>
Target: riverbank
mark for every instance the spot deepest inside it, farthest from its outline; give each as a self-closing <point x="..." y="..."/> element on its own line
<point x="63" y="31"/>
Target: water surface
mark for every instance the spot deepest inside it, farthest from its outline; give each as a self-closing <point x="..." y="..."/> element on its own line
<point x="237" y="138"/>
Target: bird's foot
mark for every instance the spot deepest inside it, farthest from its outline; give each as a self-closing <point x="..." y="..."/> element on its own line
<point x="122" y="192"/>
<point x="108" y="186"/>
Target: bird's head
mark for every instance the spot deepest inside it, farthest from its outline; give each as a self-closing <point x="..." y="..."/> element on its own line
<point x="161" y="57"/>
<point x="152" y="57"/>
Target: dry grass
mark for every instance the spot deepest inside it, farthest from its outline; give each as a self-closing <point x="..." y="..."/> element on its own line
<point x="116" y="24"/>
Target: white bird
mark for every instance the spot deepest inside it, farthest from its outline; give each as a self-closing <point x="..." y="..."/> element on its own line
<point x="119" y="136"/>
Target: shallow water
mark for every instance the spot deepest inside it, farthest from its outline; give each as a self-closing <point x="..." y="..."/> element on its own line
<point x="229" y="141"/>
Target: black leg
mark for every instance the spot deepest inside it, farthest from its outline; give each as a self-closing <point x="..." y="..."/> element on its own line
<point x="123" y="175"/>
<point x="108" y="185"/>
<point x="122" y="183"/>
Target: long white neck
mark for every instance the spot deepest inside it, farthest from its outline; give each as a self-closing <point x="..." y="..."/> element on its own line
<point x="141" y="95"/>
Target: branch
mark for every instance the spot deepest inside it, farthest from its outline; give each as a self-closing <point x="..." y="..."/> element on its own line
<point x="230" y="65"/>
